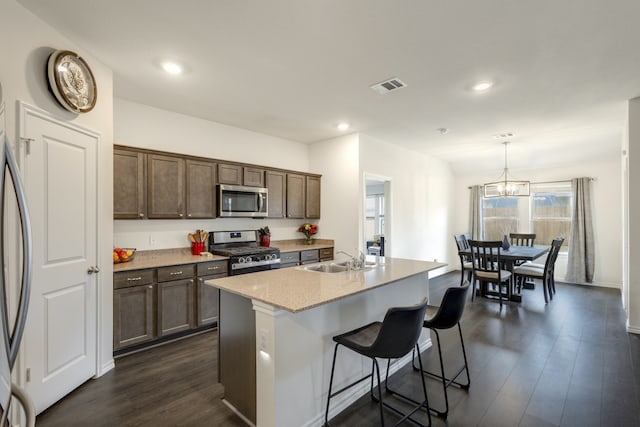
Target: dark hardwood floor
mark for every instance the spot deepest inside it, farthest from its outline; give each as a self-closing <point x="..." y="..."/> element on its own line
<point x="568" y="363"/>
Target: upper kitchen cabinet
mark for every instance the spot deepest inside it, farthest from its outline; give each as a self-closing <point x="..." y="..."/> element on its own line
<point x="253" y="177"/>
<point x="229" y="174"/>
<point x="240" y="175"/>
<point x="166" y="185"/>
<point x="129" y="189"/>
<point x="312" y="204"/>
<point x="201" y="189"/>
<point x="296" y="189"/>
<point x="276" y="183"/>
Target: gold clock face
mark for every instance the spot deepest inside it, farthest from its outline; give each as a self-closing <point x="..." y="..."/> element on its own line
<point x="71" y="81"/>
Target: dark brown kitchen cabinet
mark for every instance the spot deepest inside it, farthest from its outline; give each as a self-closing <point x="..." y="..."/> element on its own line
<point x="208" y="296"/>
<point x="253" y="177"/>
<point x="312" y="203"/>
<point x="326" y="254"/>
<point x="229" y="174"/>
<point x="166" y="186"/>
<point x="276" y="184"/>
<point x="129" y="187"/>
<point x="201" y="189"/>
<point x="295" y="195"/>
<point x="176" y="286"/>
<point x="133" y="308"/>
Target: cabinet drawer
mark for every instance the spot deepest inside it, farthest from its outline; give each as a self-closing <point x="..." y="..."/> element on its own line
<point x="176" y="272"/>
<point x="289" y="257"/>
<point x="125" y="279"/>
<point x="326" y="254"/>
<point x="307" y="256"/>
<point x="213" y="267"/>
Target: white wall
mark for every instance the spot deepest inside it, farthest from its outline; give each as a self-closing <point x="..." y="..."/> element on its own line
<point x="139" y="125"/>
<point x="26" y="43"/>
<point x="337" y="160"/>
<point x="632" y="281"/>
<point x="607" y="205"/>
<point x="421" y="200"/>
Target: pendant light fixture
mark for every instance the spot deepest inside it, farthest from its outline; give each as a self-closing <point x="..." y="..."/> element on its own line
<point x="506" y="187"/>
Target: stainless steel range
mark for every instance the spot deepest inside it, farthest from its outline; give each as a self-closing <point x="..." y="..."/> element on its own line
<point x="245" y="255"/>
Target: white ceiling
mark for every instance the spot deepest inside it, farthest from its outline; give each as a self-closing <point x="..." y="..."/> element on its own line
<point x="563" y="70"/>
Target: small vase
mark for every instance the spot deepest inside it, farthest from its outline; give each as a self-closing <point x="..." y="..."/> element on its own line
<point x="265" y="240"/>
<point x="505" y="243"/>
<point x="309" y="240"/>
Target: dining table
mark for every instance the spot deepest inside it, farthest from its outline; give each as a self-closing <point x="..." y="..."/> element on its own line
<point x="513" y="256"/>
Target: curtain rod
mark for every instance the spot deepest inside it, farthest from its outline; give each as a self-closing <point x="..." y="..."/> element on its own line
<point x="552" y="182"/>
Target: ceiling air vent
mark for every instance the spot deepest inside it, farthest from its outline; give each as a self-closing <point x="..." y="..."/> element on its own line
<point x="388" y="86"/>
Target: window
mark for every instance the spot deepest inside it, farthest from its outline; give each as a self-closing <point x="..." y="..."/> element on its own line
<point x="374" y="215"/>
<point x="546" y="212"/>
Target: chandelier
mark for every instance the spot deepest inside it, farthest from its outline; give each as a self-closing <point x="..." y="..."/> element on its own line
<point x="506" y="187"/>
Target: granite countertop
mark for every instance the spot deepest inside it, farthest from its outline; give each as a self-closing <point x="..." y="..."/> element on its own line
<point x="300" y="245"/>
<point x="295" y="289"/>
<point x="163" y="258"/>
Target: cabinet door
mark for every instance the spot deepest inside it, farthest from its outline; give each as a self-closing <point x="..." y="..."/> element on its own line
<point x="129" y="195"/>
<point x="277" y="187"/>
<point x="208" y="300"/>
<point x="229" y="174"/>
<point x="326" y="254"/>
<point x="295" y="195"/>
<point x="312" y="206"/>
<point x="310" y="256"/>
<point x="133" y="316"/>
<point x="253" y="177"/>
<point x="175" y="306"/>
<point x="201" y="189"/>
<point x="165" y="180"/>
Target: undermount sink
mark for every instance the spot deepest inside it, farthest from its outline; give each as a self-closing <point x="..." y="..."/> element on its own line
<point x="337" y="267"/>
<point x="326" y="268"/>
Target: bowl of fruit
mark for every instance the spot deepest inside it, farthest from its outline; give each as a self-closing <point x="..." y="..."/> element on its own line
<point x="123" y="254"/>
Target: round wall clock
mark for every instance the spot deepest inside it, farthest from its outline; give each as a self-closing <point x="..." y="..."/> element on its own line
<point x="71" y="81"/>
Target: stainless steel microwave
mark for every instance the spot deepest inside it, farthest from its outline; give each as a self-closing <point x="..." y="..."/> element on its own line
<point x="241" y="201"/>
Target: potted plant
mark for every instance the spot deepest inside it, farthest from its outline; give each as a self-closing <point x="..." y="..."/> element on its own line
<point x="308" y="230"/>
<point x="265" y="236"/>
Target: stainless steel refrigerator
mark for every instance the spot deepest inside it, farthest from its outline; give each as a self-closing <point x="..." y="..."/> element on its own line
<point x="12" y="327"/>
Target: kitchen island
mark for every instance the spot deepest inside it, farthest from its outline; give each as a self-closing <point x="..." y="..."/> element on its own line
<point x="276" y="329"/>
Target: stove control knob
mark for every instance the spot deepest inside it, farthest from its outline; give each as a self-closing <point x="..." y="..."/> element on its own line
<point x="272" y="256"/>
<point x="242" y="260"/>
<point x="249" y="259"/>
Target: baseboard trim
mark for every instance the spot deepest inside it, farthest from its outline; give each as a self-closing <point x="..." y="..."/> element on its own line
<point x="633" y="329"/>
<point x="338" y="403"/>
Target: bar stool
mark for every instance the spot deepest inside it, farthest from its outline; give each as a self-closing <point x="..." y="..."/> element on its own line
<point x="447" y="316"/>
<point x="392" y="338"/>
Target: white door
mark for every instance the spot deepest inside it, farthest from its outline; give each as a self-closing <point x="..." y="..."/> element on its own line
<point x="60" y="179"/>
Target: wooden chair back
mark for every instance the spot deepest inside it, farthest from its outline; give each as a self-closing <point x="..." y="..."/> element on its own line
<point x="522" y="239"/>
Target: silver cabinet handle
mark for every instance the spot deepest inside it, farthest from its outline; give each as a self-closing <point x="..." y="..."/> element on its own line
<point x="189" y="215"/>
<point x="133" y="279"/>
<point x="213" y="268"/>
<point x="150" y="286"/>
<point x="175" y="273"/>
<point x="181" y="215"/>
<point x="141" y="215"/>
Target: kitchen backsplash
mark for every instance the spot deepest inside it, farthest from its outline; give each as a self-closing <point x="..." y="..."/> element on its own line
<point x="167" y="234"/>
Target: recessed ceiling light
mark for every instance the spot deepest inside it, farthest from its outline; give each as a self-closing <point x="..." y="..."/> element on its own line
<point x="443" y="131"/>
<point x="343" y="126"/>
<point x="172" y="68"/>
<point x="482" y="86"/>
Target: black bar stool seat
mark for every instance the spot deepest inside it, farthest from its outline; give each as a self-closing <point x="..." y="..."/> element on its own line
<point x="392" y="338"/>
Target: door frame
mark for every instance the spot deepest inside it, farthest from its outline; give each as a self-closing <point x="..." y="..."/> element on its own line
<point x="21" y="147"/>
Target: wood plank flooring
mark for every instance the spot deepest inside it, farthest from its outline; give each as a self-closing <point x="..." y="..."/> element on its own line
<point x="568" y="363"/>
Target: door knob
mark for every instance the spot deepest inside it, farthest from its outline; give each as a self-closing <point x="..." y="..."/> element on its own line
<point x="93" y="269"/>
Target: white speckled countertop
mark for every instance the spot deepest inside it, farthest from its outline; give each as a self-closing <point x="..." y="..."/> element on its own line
<point x="163" y="258"/>
<point x="295" y="289"/>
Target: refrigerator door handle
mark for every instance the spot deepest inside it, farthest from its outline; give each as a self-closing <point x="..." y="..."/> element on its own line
<point x="9" y="164"/>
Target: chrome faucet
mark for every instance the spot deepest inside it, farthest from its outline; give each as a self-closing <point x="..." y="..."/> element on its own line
<point x="355" y="262"/>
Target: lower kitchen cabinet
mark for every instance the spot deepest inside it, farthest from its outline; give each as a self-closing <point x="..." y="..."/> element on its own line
<point x="208" y="300"/>
<point x="175" y="306"/>
<point x="309" y="256"/>
<point x="133" y="309"/>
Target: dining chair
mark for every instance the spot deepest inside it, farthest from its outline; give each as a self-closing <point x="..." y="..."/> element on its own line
<point x="487" y="268"/>
<point x="545" y="274"/>
<point x="522" y="239"/>
<point x="462" y="242"/>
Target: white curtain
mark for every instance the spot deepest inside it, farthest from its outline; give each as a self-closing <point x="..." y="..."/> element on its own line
<point x="581" y="261"/>
<point x="475" y="212"/>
